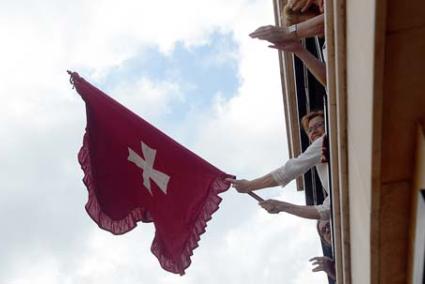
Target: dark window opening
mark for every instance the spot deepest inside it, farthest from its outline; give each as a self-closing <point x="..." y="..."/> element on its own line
<point x="311" y="95"/>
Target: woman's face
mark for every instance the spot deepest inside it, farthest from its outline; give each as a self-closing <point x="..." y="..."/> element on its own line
<point x="316" y="128"/>
<point x="325" y="231"/>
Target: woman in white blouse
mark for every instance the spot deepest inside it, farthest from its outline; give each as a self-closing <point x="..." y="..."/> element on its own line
<point x="313" y="124"/>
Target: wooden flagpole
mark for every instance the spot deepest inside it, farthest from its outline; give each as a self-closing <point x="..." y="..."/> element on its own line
<point x="255" y="196"/>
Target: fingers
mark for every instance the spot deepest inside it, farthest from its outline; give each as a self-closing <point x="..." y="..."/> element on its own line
<point x="261" y="30"/>
<point x="272" y="211"/>
<point x="290" y="3"/>
<point x="267" y="203"/>
<point x="321" y="6"/>
<point x="268" y="32"/>
<point x="280" y="47"/>
<point x="241" y="185"/>
<point x="317" y="269"/>
<point x="321" y="267"/>
<point x="270" y="206"/>
<point x="234" y="182"/>
<point x="287" y="48"/>
<point x="317" y="260"/>
<point x="266" y="206"/>
<point x="321" y="262"/>
<point x="273" y="34"/>
<point x="231" y="180"/>
<point x="306" y="6"/>
<point x="320" y="258"/>
<point x="297" y="6"/>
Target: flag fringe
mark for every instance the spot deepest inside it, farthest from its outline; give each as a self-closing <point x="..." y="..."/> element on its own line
<point x="217" y="186"/>
<point x="118" y="227"/>
<point x="93" y="208"/>
<point x="175" y="264"/>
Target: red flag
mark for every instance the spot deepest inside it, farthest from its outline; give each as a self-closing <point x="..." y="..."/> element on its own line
<point x="134" y="172"/>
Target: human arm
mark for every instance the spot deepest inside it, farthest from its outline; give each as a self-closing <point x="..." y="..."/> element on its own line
<point x="244" y="186"/>
<point x="283" y="175"/>
<point x="276" y="34"/>
<point x="314" y="65"/>
<point x="298" y="166"/>
<point x="311" y="27"/>
<point x="304" y="5"/>
<point x="324" y="263"/>
<point x="300" y="5"/>
<point x="275" y="206"/>
<point x="324" y="209"/>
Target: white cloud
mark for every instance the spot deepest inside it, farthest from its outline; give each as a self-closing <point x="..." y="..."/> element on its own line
<point x="156" y="99"/>
<point x="48" y="238"/>
<point x="43" y="271"/>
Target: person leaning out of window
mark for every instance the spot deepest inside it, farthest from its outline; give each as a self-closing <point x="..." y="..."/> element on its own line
<point x="313" y="124"/>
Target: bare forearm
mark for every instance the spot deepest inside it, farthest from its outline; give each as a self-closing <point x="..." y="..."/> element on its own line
<point x="244" y="186"/>
<point x="314" y="65"/>
<point x="262" y="182"/>
<point x="308" y="212"/>
<point x="312" y="27"/>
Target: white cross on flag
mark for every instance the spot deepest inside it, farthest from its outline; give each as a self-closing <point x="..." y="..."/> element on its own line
<point x="149" y="172"/>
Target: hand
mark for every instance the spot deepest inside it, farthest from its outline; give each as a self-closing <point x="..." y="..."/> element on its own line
<point x="272" y="206"/>
<point x="325" y="264"/>
<point x="273" y="34"/>
<point x="321" y="5"/>
<point x="241" y="185"/>
<point x="290" y="46"/>
<point x="297" y="5"/>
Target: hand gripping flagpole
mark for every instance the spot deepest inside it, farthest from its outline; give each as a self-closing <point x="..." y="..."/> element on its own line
<point x="250" y="193"/>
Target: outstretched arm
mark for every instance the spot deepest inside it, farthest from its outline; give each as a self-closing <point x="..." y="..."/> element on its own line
<point x="244" y="186"/>
<point x="292" y="169"/>
<point x="312" y="27"/>
<point x="314" y="65"/>
<point x="275" y="34"/>
<point x="275" y="206"/>
<point x="300" y="5"/>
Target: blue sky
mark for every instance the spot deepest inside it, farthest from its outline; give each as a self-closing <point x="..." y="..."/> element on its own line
<point x="203" y="72"/>
<point x="197" y="69"/>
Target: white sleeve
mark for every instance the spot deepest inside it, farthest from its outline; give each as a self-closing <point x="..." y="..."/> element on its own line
<point x="295" y="167"/>
<point x="324" y="209"/>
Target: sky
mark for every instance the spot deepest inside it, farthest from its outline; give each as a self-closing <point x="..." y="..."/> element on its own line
<point x="189" y="68"/>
